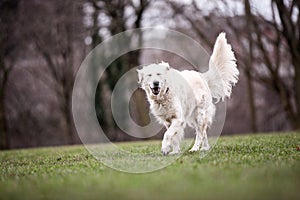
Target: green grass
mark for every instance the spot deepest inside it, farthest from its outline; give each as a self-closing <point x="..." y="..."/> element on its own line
<point x="239" y="167"/>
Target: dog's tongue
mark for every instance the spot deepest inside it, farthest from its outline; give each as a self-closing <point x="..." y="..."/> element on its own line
<point x="155" y="90"/>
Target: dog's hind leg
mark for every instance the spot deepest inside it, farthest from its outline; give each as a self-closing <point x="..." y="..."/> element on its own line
<point x="198" y="141"/>
<point x="209" y="114"/>
<point x="201" y="138"/>
<point x="200" y="126"/>
<point x="205" y="145"/>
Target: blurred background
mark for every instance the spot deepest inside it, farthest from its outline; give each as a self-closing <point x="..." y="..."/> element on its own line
<point x="43" y="42"/>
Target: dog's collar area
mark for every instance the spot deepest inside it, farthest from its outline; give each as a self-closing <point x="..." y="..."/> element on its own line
<point x="167" y="90"/>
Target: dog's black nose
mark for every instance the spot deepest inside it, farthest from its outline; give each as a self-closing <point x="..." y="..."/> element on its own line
<point x="155" y="83"/>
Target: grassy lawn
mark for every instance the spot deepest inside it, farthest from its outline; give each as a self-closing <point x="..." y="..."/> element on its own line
<point x="239" y="167"/>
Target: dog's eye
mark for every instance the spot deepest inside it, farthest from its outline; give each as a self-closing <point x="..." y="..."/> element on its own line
<point x="149" y="75"/>
<point x="158" y="74"/>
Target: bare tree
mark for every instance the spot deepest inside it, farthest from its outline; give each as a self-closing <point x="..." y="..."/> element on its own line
<point x="10" y="42"/>
<point x="289" y="29"/>
<point x="276" y="40"/>
<point x="117" y="20"/>
<point x="249" y="64"/>
<point x="57" y="34"/>
<point x="263" y="46"/>
<point x="207" y="26"/>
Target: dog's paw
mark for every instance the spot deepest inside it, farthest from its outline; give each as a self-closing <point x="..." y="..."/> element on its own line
<point x="165" y="149"/>
<point x="194" y="149"/>
<point x="175" y="152"/>
<point x="166" y="146"/>
<point x="165" y="152"/>
<point x="205" y="148"/>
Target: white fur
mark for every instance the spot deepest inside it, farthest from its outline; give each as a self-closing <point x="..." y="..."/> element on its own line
<point x="180" y="98"/>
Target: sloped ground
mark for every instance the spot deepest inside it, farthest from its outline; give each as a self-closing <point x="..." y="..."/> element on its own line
<point x="239" y="167"/>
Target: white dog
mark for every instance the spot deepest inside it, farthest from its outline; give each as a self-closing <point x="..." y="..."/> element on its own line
<point x="178" y="98"/>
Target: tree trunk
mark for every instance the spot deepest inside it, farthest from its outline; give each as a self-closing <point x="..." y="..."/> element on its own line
<point x="249" y="64"/>
<point x="296" y="124"/>
<point x="69" y="126"/>
<point x="251" y="103"/>
<point x="4" y="142"/>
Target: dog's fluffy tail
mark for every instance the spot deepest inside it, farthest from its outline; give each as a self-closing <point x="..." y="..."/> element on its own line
<point x="223" y="72"/>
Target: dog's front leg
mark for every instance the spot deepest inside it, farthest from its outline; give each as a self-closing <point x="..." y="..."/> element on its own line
<point x="172" y="137"/>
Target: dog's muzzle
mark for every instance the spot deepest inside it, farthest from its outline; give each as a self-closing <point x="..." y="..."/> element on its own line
<point x="155" y="89"/>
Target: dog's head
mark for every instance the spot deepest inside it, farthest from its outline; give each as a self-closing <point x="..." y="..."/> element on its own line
<point x="153" y="78"/>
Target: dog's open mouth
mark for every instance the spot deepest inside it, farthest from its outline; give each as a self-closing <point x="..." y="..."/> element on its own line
<point x="155" y="90"/>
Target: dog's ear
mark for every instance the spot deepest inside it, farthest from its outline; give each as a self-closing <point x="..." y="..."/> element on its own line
<point x="140" y="76"/>
<point x="166" y="65"/>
